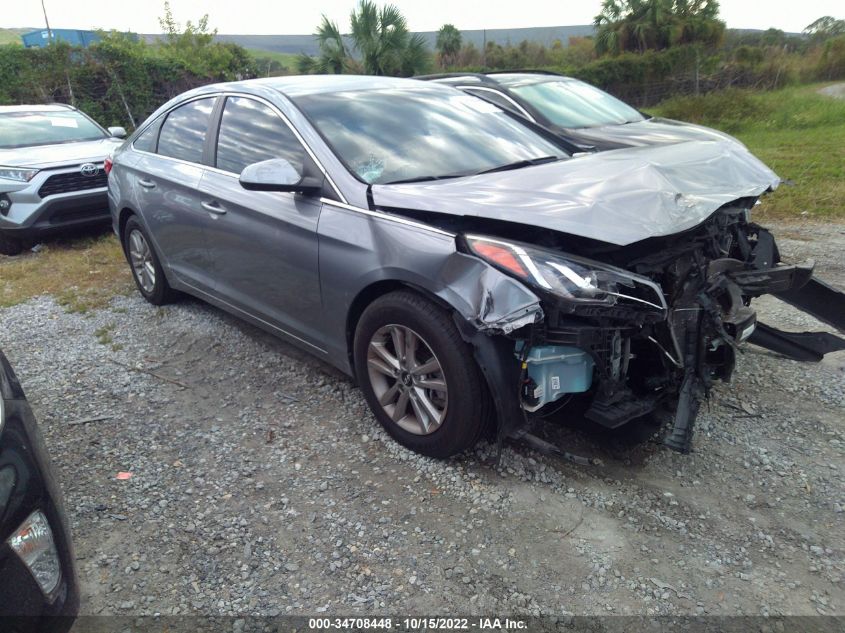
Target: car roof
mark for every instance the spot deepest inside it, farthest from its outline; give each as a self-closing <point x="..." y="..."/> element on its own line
<point x="301" y="85"/>
<point x="451" y="78"/>
<point x="503" y="78"/>
<point x="39" y="107"/>
<point x="522" y="78"/>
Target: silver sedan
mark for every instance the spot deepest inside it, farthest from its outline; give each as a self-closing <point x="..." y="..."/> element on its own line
<point x="464" y="268"/>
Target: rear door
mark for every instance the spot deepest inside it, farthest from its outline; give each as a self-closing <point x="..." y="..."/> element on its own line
<point x="166" y="175"/>
<point x="263" y="245"/>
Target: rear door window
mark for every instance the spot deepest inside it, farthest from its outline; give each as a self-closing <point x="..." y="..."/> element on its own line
<point x="251" y="132"/>
<point x="184" y="130"/>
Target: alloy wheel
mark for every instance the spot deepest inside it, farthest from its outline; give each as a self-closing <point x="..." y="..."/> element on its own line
<point x="141" y="258"/>
<point x="407" y="379"/>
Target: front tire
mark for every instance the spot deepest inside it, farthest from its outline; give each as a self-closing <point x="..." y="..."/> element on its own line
<point x="419" y="376"/>
<point x="146" y="267"/>
<point x="10" y="245"/>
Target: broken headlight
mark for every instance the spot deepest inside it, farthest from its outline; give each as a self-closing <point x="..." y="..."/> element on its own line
<point x="581" y="283"/>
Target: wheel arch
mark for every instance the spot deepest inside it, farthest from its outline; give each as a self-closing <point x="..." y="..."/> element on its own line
<point x="122" y="219"/>
<point x="370" y="293"/>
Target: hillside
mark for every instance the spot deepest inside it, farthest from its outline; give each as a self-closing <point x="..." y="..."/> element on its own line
<point x="13" y="36"/>
<point x="306" y="43"/>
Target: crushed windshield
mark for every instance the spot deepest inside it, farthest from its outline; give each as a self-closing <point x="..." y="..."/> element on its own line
<point x="26" y="129"/>
<point x="401" y="135"/>
<point x="570" y="103"/>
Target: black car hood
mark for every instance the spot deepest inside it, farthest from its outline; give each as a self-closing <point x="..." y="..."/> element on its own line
<point x="654" y="131"/>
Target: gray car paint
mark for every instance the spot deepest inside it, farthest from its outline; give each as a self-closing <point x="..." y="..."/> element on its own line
<point x="619" y="197"/>
<point x="276" y="281"/>
<point x="168" y="191"/>
<point x="356" y="248"/>
<point x="259" y="232"/>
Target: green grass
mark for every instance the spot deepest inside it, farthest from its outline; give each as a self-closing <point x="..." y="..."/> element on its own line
<point x="284" y="60"/>
<point x="795" y="131"/>
<point x="82" y="274"/>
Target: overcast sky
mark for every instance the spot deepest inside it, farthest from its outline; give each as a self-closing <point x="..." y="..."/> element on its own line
<point x="286" y="17"/>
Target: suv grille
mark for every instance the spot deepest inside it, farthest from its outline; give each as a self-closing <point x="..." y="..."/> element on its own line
<point x="65" y="183"/>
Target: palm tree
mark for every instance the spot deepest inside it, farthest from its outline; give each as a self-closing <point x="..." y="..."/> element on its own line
<point x="381" y="39"/>
<point x="625" y="25"/>
<point x="448" y="44"/>
<point x="415" y="58"/>
<point x="333" y="58"/>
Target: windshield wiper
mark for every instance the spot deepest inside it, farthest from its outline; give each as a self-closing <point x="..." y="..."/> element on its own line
<point x="423" y="179"/>
<point x="528" y="162"/>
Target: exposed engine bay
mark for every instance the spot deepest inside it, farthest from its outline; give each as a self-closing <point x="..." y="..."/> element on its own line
<point x="630" y="331"/>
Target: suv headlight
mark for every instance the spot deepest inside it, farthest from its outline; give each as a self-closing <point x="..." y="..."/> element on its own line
<point x="17" y="173"/>
<point x="581" y="283"/>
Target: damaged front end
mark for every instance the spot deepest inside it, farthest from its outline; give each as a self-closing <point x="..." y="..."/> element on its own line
<point x="629" y="331"/>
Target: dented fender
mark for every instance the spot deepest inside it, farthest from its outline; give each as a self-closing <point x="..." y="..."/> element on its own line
<point x="488" y="300"/>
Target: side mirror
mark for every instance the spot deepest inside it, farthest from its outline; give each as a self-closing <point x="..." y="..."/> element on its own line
<point x="277" y="174"/>
<point x="117" y="132"/>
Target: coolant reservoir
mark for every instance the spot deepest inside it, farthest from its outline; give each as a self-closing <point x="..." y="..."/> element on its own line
<point x="554" y="371"/>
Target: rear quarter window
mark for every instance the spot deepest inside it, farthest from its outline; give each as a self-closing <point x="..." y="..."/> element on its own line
<point x="147" y="140"/>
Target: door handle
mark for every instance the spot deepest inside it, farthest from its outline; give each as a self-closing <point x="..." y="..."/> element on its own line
<point x="213" y="207"/>
<point x="146" y="184"/>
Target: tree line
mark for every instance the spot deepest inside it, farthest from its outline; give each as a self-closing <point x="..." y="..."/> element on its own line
<point x="643" y="51"/>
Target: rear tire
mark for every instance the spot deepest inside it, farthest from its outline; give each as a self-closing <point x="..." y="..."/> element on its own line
<point x="10" y="245"/>
<point x="146" y="267"/>
<point x="429" y="396"/>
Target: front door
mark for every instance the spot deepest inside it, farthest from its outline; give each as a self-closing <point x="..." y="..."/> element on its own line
<point x="263" y="245"/>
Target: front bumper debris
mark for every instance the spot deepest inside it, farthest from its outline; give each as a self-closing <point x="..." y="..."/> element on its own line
<point x="624" y="362"/>
<point x="801" y="346"/>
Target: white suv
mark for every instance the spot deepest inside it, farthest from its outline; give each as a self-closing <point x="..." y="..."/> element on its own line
<point x="52" y="174"/>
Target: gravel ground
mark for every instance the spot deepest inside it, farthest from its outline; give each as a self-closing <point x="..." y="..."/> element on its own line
<point x="261" y="484"/>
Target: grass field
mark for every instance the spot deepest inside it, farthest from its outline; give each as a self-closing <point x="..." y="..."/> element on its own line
<point x="284" y="60"/>
<point x="12" y="36"/>
<point x="797" y="132"/>
<point x="82" y="273"/>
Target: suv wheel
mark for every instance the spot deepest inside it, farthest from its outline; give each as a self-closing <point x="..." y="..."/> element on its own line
<point x="419" y="376"/>
<point x="146" y="268"/>
<point x="10" y="245"/>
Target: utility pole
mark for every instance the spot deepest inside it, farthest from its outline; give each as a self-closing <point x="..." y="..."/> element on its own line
<point x="49" y="31"/>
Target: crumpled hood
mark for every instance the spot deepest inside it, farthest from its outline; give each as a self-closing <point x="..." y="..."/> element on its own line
<point x="44" y="156"/>
<point x="621" y="196"/>
<point x="655" y="131"/>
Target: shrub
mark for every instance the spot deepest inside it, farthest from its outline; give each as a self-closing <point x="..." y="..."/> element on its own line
<point x="729" y="109"/>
